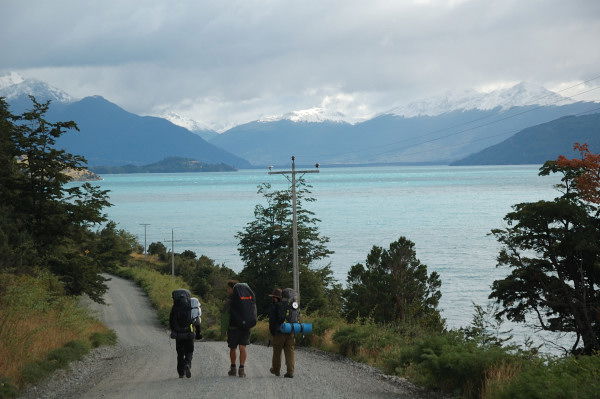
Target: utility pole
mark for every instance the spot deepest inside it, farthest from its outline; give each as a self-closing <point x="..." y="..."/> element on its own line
<point x="294" y="172"/>
<point x="145" y="225"/>
<point x="173" y="241"/>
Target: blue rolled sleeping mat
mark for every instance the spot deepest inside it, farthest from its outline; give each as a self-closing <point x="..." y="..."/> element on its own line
<point x="296" y="328"/>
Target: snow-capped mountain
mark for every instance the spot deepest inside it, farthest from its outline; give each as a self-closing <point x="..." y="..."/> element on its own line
<point x="314" y="115"/>
<point x="183" y="121"/>
<point x="13" y="85"/>
<point x="9" y="79"/>
<point x="521" y="94"/>
<point x="200" y="128"/>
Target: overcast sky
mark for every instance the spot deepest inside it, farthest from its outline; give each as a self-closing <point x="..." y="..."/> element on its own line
<point x="228" y="62"/>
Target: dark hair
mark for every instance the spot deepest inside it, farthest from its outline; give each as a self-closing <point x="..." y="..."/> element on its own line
<point x="231" y="283"/>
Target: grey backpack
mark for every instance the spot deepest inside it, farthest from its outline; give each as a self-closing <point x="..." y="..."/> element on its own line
<point x="292" y="310"/>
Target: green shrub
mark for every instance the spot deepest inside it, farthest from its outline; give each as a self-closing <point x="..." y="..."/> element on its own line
<point x="99" y="339"/>
<point x="37" y="371"/>
<point x="323" y="323"/>
<point x="572" y="377"/>
<point x="448" y="362"/>
<point x="74" y="350"/>
<point x="213" y="333"/>
<point x="78" y="349"/>
<point x="7" y="390"/>
<point x="55" y="359"/>
<point x="352" y="336"/>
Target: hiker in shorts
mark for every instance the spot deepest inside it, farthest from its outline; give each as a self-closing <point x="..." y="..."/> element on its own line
<point x="280" y="341"/>
<point x="238" y="316"/>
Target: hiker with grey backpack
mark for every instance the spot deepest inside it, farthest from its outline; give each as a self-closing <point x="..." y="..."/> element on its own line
<point x="184" y="322"/>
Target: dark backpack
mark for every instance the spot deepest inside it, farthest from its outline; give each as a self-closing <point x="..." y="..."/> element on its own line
<point x="182" y="315"/>
<point x="290" y="301"/>
<point x="242" y="307"/>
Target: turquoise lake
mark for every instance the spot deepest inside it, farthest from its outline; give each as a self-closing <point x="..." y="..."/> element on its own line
<point x="446" y="211"/>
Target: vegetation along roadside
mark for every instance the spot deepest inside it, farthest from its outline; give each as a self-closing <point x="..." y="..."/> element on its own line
<point x="55" y="243"/>
<point x="41" y="330"/>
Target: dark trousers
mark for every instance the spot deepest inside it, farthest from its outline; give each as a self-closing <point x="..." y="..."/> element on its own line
<point x="185" y="351"/>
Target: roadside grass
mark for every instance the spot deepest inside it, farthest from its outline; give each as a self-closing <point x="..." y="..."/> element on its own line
<point x="157" y="286"/>
<point x="41" y="329"/>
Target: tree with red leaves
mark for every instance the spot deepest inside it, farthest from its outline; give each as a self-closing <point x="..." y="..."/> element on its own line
<point x="587" y="169"/>
<point x="553" y="249"/>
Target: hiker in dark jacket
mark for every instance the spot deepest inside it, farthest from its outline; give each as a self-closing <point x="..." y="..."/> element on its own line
<point x="182" y="331"/>
<point x="280" y="341"/>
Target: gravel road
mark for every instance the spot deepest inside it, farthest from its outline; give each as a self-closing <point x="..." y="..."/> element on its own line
<point x="142" y="365"/>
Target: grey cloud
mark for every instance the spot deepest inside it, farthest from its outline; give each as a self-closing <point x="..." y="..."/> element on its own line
<point x="229" y="62"/>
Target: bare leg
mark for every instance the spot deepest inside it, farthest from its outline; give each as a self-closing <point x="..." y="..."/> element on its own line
<point x="242" y="355"/>
<point x="232" y="355"/>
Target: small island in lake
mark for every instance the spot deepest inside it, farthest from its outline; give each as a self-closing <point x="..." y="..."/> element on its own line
<point x="167" y="165"/>
<point x="81" y="175"/>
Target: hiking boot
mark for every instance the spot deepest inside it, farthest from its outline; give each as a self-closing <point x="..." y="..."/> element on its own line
<point x="188" y="372"/>
<point x="180" y="375"/>
<point x="232" y="371"/>
<point x="242" y="372"/>
<point x="288" y="375"/>
<point x="274" y="372"/>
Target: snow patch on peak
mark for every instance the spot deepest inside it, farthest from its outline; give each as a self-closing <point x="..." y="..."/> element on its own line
<point x="13" y="85"/>
<point x="309" y="115"/>
<point x="9" y="79"/>
<point x="183" y="121"/>
<point x="520" y="94"/>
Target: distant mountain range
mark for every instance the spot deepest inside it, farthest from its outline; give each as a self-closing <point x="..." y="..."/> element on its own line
<point x="108" y="134"/>
<point x="436" y="130"/>
<point x="540" y="143"/>
<point x="167" y="165"/>
<point x="387" y="138"/>
<point x="439" y="130"/>
<point x="520" y="95"/>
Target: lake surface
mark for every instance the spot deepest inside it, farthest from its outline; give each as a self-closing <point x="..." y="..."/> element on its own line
<point x="446" y="211"/>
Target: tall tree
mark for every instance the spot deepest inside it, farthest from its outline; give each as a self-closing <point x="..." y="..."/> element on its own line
<point x="393" y="286"/>
<point x="553" y="249"/>
<point x="265" y="246"/>
<point x="55" y="216"/>
<point x="15" y="243"/>
<point x="54" y="209"/>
